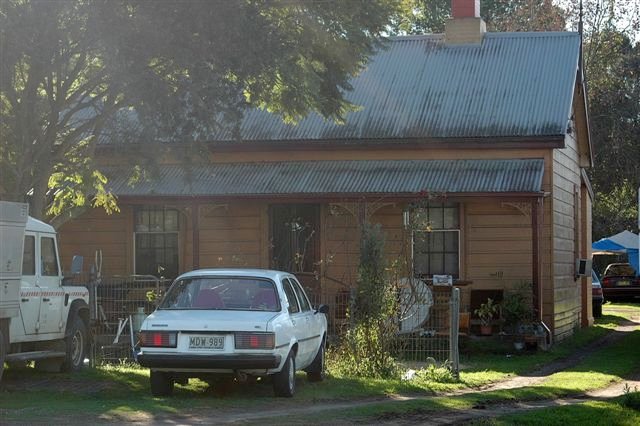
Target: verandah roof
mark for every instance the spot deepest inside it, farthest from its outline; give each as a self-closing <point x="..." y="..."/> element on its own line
<point x="336" y="178"/>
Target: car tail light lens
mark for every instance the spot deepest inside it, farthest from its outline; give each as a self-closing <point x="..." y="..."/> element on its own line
<point x="255" y="341"/>
<point x="158" y="339"/>
<point x="606" y="282"/>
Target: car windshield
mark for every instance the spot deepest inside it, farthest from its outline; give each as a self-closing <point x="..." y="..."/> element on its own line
<point x="231" y="293"/>
<point x="619" y="269"/>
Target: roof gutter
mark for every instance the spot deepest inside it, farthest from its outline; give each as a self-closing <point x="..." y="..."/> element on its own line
<point x="315" y="197"/>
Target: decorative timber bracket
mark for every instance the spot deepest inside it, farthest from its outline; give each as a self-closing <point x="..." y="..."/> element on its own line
<point x="523" y="207"/>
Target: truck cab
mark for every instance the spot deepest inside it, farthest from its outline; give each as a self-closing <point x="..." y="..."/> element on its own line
<point x="41" y="319"/>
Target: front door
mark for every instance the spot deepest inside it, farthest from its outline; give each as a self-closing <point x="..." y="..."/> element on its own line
<point x="49" y="283"/>
<point x="29" y="291"/>
<point x="295" y="236"/>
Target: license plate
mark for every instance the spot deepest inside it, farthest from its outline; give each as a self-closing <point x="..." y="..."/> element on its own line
<point x="624" y="283"/>
<point x="206" y="342"/>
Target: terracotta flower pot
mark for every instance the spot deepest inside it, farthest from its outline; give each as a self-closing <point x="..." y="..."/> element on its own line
<point x="486" y="329"/>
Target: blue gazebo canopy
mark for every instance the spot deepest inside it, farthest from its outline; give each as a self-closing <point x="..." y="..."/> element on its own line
<point x="623" y="242"/>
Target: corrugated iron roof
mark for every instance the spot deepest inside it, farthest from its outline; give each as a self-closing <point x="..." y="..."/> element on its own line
<point x="304" y="178"/>
<point x="512" y="84"/>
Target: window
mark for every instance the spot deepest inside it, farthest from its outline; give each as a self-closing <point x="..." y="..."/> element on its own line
<point x="29" y="256"/>
<point x="294" y="308"/>
<point x="304" y="302"/>
<point x="156" y="242"/>
<point x="49" y="259"/>
<point x="436" y="240"/>
<point x="294" y="231"/>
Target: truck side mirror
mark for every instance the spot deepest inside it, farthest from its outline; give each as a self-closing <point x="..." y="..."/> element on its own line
<point x="76" y="264"/>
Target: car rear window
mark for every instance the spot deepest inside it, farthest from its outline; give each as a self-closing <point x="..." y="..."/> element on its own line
<point x="615" y="270"/>
<point x="231" y="293"/>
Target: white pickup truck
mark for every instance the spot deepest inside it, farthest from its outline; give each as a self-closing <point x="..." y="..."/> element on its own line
<point x="41" y="319"/>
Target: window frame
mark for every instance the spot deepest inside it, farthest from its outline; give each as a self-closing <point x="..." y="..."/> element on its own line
<point x="456" y="228"/>
<point x="163" y="231"/>
<point x="285" y="283"/>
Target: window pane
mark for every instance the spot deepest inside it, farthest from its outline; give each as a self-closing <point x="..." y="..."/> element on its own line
<point x="436" y="261"/>
<point x="291" y="297"/>
<point x="28" y="256"/>
<point x="421" y="243"/>
<point x="451" y="264"/>
<point x="304" y="303"/>
<point x="420" y="265"/>
<point x="436" y="241"/>
<point x="171" y="220"/>
<point x="451" y="241"/>
<point x="156" y="221"/>
<point x="435" y="217"/>
<point x="49" y="260"/>
<point x="450" y="218"/>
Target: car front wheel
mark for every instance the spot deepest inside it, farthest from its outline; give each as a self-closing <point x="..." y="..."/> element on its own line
<point x="284" y="382"/>
<point x="161" y="383"/>
<point x="76" y="345"/>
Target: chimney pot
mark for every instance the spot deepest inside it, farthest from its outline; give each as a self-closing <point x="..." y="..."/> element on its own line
<point x="465" y="8"/>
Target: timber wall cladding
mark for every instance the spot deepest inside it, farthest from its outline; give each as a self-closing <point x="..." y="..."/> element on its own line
<point x="231" y="235"/>
<point x="95" y="230"/>
<point x="498" y="250"/>
<point x="566" y="238"/>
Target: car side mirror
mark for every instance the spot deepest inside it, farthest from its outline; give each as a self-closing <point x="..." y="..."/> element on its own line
<point x="76" y="264"/>
<point x="323" y="309"/>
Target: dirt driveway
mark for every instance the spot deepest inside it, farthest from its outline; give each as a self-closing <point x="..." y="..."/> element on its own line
<point x="289" y="408"/>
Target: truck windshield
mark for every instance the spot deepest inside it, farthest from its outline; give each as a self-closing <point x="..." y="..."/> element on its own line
<point x="231" y="293"/>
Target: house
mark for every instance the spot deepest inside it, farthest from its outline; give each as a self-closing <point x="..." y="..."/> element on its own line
<point x="485" y="133"/>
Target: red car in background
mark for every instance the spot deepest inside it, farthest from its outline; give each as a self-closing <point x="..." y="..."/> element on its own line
<point x="620" y="281"/>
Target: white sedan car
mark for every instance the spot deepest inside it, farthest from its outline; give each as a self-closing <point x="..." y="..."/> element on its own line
<point x="242" y="322"/>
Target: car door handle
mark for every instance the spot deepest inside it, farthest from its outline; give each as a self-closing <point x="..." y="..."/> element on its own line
<point x="24" y="300"/>
<point x="46" y="300"/>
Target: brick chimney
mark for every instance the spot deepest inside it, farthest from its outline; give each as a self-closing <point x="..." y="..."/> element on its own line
<point x="466" y="26"/>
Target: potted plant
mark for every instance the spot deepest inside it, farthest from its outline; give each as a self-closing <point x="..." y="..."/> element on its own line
<point x="485" y="312"/>
<point x="517" y="314"/>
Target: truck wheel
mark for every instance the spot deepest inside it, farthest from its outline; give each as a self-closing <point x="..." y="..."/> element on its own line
<point x="284" y="382"/>
<point x="3" y="352"/>
<point x="161" y="383"/>
<point x="76" y="346"/>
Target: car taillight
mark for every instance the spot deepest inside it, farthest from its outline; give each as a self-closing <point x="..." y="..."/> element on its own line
<point x="158" y="339"/>
<point x="255" y="341"/>
<point x="606" y="282"/>
<point x="597" y="291"/>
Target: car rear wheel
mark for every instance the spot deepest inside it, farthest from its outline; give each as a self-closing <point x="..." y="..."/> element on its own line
<point x="315" y="371"/>
<point x="161" y="383"/>
<point x="597" y="310"/>
<point x="284" y="382"/>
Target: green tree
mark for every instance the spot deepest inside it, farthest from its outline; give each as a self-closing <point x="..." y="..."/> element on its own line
<point x="430" y="16"/>
<point x="612" y="74"/>
<point x="71" y="69"/>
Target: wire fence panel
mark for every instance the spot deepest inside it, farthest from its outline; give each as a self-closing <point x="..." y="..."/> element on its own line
<point x="119" y="304"/>
<point x="433" y="337"/>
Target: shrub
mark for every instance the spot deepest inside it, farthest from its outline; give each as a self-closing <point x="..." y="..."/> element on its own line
<point x="365" y="349"/>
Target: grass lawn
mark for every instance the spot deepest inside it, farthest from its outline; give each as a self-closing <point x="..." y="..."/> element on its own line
<point x="115" y="392"/>
<point x="603" y="413"/>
